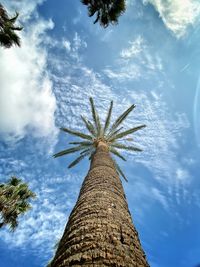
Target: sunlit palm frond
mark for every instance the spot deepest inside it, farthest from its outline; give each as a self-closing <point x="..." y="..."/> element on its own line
<point x="96" y="118"/>
<point x="77" y="160"/>
<point x="120" y="172"/>
<point x="121" y="118"/>
<point x="89" y="126"/>
<point x="99" y="127"/>
<point x="111" y="135"/>
<point x="84" y="143"/>
<point x="116" y="153"/>
<point x="122" y="146"/>
<point x="127" y="132"/>
<point x="94" y="113"/>
<point x="69" y="151"/>
<point x="90" y="149"/>
<point x="107" y="122"/>
<point x="79" y="134"/>
<point x="14" y="196"/>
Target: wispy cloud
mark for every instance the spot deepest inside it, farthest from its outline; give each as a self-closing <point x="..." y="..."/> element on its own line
<point x="135" y="48"/>
<point x="135" y="61"/>
<point x="177" y="15"/>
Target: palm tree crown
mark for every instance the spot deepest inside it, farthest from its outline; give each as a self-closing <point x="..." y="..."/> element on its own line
<point x="107" y="11"/>
<point x="109" y="134"/>
<point x="8" y="37"/>
<point x="14" y="197"/>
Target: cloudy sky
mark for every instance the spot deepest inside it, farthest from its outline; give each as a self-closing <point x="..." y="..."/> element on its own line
<point x="152" y="59"/>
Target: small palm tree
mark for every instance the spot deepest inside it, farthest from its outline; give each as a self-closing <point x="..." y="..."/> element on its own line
<point x="107" y="11"/>
<point x="8" y="36"/>
<point x="109" y="135"/>
<point x="14" y="197"/>
<point x="100" y="231"/>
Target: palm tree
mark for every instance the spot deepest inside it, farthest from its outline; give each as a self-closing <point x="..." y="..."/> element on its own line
<point x="14" y="197"/>
<point x="8" y="37"/>
<point x="100" y="231"/>
<point x="107" y="11"/>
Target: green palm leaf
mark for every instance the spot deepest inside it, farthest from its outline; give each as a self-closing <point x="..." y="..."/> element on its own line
<point x="68" y="151"/>
<point x="87" y="150"/>
<point x="89" y="126"/>
<point x="99" y="127"/>
<point x="79" y="134"/>
<point x="121" y="118"/>
<point x="120" y="172"/>
<point x="111" y="135"/>
<point x="122" y="146"/>
<point x="107" y="122"/>
<point x="77" y="160"/>
<point x="84" y="143"/>
<point x="94" y="113"/>
<point x="130" y="131"/>
<point x="116" y="153"/>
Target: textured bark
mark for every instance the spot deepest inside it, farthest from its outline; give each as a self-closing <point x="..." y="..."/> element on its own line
<point x="100" y="231"/>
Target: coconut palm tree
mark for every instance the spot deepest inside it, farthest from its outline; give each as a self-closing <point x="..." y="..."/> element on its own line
<point x="100" y="231"/>
<point x="8" y="36"/>
<point x="14" y="197"/>
<point x="107" y="11"/>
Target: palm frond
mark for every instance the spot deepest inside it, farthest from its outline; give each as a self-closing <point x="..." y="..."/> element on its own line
<point x="79" y="134"/>
<point x="94" y="113"/>
<point x="68" y="151"/>
<point x="99" y="127"/>
<point x="107" y="122"/>
<point x="13" y="19"/>
<point x="83" y="143"/>
<point x="89" y="126"/>
<point x="122" y="146"/>
<point x="111" y="135"/>
<point x="77" y="160"/>
<point x="95" y="117"/>
<point x="130" y="131"/>
<point x="121" y="118"/>
<point x="116" y="153"/>
<point x="87" y="150"/>
<point x="120" y="172"/>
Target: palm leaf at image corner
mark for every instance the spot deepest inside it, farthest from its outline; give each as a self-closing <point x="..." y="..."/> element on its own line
<point x="8" y="36"/>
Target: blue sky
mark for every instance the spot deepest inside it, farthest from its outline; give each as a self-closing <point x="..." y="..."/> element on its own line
<point x="151" y="59"/>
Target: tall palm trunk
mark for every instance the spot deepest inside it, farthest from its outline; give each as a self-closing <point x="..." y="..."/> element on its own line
<point x="100" y="231"/>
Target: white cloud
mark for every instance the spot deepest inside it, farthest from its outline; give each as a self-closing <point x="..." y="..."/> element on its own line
<point x="159" y="196"/>
<point x="135" y="61"/>
<point x="136" y="47"/>
<point x="182" y="174"/>
<point x="177" y="15"/>
<point x="26" y="98"/>
<point x="66" y="44"/>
